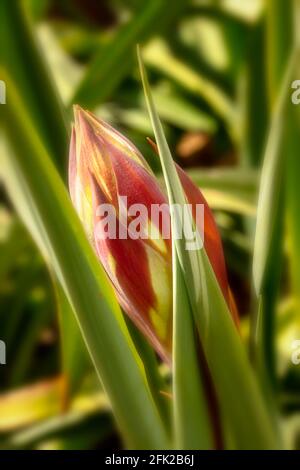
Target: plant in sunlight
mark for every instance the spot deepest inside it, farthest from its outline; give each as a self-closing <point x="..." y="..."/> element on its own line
<point x="130" y="316"/>
<point x="169" y="291"/>
<point x="105" y="167"/>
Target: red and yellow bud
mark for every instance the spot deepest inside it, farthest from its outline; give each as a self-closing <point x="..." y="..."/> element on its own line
<point x="103" y="167"/>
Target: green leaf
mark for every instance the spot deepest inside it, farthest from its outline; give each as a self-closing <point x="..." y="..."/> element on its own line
<point x="158" y="56"/>
<point x="279" y="31"/>
<point x="193" y="429"/>
<point x="267" y="256"/>
<point x="292" y="201"/>
<point x="31" y="416"/>
<point x="292" y="184"/>
<point x="33" y="183"/>
<point x="159" y="387"/>
<point x="181" y="112"/>
<point x="231" y="372"/>
<point x="230" y="202"/>
<point x="115" y="60"/>
<point x="254" y="99"/>
<point x="229" y="189"/>
<point x="236" y="179"/>
<point x="22" y="59"/>
<point x="75" y="359"/>
<point x="268" y="243"/>
<point x="271" y="184"/>
<point x="31" y="78"/>
<point x="192" y="424"/>
<point x="75" y="430"/>
<point x="24" y="406"/>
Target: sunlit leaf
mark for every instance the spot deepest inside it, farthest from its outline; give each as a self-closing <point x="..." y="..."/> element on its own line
<point x="29" y="168"/>
<point x="247" y="417"/>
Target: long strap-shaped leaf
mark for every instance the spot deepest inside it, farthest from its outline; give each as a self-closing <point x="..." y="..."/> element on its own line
<point x="271" y="182"/>
<point x="22" y="59"/>
<point x="267" y="259"/>
<point x="193" y="429"/>
<point x="238" y="391"/>
<point x="33" y="183"/>
<point x="114" y="60"/>
<point x="267" y="255"/>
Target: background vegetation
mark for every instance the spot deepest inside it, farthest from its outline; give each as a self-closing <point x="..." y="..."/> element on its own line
<point x="221" y="74"/>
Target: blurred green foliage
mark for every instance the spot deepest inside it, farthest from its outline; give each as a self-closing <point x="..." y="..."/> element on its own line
<point x="216" y="69"/>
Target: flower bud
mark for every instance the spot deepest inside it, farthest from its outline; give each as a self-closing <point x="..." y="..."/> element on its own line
<point x="114" y="192"/>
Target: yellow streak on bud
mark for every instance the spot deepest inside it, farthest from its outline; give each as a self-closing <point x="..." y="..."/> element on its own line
<point x="111" y="263"/>
<point x="83" y="203"/>
<point x="156" y="239"/>
<point x="109" y="134"/>
<point x="161" y="278"/>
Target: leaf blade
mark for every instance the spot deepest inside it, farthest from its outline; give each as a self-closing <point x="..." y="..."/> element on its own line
<point x="82" y="278"/>
<point x="219" y="337"/>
